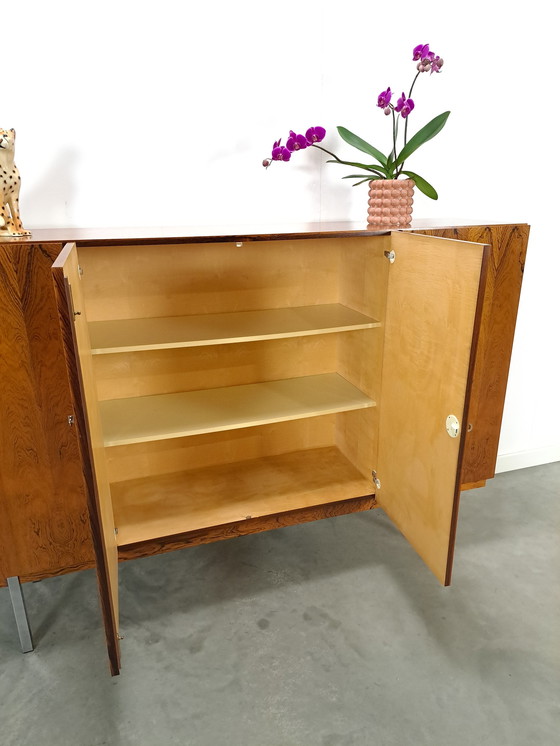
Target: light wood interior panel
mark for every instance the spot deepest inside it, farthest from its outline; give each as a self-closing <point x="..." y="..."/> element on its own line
<point x="357" y="437"/>
<point x="363" y="286"/>
<point x="129" y="335"/>
<point x="174" y="503"/>
<point x="431" y="309"/>
<point x="189" y="369"/>
<point x="123" y="282"/>
<point x="179" y="454"/>
<point x="286" y="294"/>
<point x="363" y="274"/>
<point x="164" y="416"/>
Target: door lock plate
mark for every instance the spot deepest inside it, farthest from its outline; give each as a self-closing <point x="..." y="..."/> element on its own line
<point x="452" y="426"/>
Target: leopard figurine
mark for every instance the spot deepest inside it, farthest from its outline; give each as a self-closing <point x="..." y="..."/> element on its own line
<point x="10" y="220"/>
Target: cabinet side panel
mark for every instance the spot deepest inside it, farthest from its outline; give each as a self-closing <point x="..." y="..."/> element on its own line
<point x="493" y="354"/>
<point x="432" y="303"/>
<point x="363" y="287"/>
<point x="77" y="350"/>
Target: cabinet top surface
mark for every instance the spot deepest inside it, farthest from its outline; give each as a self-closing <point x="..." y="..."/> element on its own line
<point x="219" y="233"/>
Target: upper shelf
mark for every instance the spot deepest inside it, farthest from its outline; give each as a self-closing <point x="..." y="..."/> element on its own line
<point x="163" y="416"/>
<point x="130" y="335"/>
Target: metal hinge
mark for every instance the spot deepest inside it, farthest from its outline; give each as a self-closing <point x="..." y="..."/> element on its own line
<point x="376" y="480"/>
<point x="391" y="256"/>
<point x="71" y="419"/>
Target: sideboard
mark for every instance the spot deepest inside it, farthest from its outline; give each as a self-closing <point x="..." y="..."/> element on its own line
<point x="315" y="365"/>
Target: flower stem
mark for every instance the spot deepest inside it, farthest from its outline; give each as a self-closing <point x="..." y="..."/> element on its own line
<point x="314" y="145"/>
<point x="395" y="128"/>
<point x="406" y="121"/>
<point x="413" y="82"/>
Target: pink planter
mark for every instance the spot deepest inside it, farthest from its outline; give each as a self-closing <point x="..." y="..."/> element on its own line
<point x="390" y="203"/>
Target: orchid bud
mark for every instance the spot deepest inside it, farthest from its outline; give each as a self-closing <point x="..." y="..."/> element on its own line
<point x="266" y="162"/>
<point x="387" y="110"/>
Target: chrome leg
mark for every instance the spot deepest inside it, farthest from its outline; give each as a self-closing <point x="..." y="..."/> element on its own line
<point x="20" y="613"/>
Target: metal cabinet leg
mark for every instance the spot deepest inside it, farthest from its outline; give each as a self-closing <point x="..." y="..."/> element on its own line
<point x="20" y="613"/>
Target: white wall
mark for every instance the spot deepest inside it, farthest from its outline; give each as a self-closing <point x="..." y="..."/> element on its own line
<point x="134" y="113"/>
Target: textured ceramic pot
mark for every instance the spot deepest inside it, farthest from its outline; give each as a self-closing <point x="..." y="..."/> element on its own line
<point x="390" y="203"/>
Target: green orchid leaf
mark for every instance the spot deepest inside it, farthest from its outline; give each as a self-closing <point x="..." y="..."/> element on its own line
<point x="361" y="176"/>
<point x="362" y="145"/>
<point x="426" y="133"/>
<point x="373" y="167"/>
<point x="363" y="180"/>
<point x="422" y="185"/>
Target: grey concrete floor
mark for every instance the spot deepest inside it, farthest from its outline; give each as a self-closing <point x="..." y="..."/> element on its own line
<point x="326" y="634"/>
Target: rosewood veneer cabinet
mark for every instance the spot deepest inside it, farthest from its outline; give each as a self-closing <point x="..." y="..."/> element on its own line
<point x="161" y="391"/>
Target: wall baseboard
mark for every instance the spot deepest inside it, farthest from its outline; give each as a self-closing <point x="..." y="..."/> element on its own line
<point x="524" y="459"/>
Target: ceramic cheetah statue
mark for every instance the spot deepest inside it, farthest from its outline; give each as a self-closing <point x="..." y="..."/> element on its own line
<point x="10" y="221"/>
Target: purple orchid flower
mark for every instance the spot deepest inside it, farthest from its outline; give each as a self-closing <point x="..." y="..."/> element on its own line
<point x="296" y="142"/>
<point x="280" y="153"/>
<point x="384" y="98"/>
<point x="420" y="52"/>
<point x="404" y="106"/>
<point x="315" y="134"/>
<point x="427" y="60"/>
<point x="436" y="65"/>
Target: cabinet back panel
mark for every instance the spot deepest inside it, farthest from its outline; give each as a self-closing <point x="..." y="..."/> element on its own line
<point x="179" y="454"/>
<point x="124" y="375"/>
<point x="122" y="282"/>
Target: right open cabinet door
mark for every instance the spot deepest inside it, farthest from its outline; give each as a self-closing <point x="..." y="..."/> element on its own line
<point x="434" y="303"/>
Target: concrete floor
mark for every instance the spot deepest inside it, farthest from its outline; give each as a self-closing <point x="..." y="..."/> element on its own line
<point x="325" y="634"/>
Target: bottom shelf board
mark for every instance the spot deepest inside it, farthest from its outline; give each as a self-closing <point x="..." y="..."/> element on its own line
<point x="171" y="504"/>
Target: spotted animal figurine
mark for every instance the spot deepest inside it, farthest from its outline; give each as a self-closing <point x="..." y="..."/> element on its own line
<point x="10" y="220"/>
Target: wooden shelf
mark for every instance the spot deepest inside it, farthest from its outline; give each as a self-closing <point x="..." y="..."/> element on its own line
<point x="131" y="335"/>
<point x="145" y="418"/>
<point x="171" y="504"/>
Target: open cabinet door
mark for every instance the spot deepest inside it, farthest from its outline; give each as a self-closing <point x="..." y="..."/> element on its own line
<point x="434" y="303"/>
<point x="77" y="350"/>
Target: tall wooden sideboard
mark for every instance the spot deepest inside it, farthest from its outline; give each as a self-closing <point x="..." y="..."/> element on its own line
<point x="51" y="512"/>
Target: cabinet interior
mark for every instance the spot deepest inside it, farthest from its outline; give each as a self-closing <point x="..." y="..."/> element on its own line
<point x="234" y="381"/>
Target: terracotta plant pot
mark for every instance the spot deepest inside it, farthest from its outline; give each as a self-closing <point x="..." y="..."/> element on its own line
<point x="390" y="203"/>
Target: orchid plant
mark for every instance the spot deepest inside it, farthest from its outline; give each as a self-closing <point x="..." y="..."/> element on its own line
<point x="390" y="166"/>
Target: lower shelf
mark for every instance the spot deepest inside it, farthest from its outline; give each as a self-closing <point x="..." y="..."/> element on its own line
<point x="152" y="507"/>
<point x="160" y="417"/>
